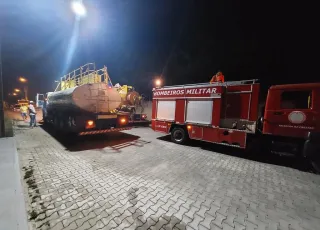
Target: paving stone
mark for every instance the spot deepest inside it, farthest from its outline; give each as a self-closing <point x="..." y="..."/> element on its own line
<point x="218" y="220"/>
<point x="157" y="184"/>
<point x="195" y="222"/>
<point x="206" y="222"/>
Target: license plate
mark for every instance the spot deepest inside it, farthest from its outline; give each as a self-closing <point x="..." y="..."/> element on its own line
<point x="106" y="116"/>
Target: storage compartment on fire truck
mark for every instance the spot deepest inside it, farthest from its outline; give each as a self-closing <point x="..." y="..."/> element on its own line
<point x="166" y="110"/>
<point x="199" y="111"/>
<point x="239" y="107"/>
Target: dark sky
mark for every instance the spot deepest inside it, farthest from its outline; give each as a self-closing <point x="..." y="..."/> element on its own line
<point x="186" y="40"/>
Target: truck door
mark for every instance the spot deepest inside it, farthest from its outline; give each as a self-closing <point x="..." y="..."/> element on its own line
<point x="289" y="113"/>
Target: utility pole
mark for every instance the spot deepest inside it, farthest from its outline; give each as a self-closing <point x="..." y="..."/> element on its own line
<point x="25" y="89"/>
<point x="2" y="130"/>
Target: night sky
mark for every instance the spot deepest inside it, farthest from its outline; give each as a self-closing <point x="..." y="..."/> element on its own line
<point x="185" y="40"/>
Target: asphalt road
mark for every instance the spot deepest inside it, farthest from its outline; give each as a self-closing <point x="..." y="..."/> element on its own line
<point x="138" y="179"/>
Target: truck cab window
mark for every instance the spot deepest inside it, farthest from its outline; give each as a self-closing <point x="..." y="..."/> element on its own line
<point x="296" y="100"/>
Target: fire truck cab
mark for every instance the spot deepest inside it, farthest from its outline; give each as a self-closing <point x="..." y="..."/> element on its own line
<point x="292" y="110"/>
<point x="227" y="113"/>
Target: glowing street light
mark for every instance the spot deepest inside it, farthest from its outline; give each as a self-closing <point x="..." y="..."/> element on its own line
<point x="78" y="8"/>
<point x="17" y="90"/>
<point x="14" y="94"/>
<point x="25" y="87"/>
<point x="22" y="79"/>
<point x="158" y="82"/>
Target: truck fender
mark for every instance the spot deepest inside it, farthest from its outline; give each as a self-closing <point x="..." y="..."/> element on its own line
<point x="313" y="137"/>
<point x="177" y="126"/>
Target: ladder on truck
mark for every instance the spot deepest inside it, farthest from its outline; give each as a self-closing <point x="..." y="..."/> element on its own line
<point x="227" y="83"/>
<point x="85" y="74"/>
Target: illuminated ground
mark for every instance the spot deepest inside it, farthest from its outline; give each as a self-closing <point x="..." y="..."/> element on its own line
<point x="140" y="180"/>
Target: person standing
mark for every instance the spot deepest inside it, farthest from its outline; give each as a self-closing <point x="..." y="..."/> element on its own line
<point x="24" y="111"/>
<point x="32" y="114"/>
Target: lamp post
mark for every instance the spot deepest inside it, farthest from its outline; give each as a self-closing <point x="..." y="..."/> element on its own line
<point x="25" y="87"/>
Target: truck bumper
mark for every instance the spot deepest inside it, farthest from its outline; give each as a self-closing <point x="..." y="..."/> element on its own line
<point x="142" y="123"/>
<point x="93" y="132"/>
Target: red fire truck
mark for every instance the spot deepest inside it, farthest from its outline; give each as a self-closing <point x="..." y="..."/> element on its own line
<point x="228" y="113"/>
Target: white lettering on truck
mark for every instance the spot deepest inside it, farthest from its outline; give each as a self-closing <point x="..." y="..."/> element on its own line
<point x="296" y="126"/>
<point x="177" y="92"/>
<point x="202" y="91"/>
<point x="169" y="92"/>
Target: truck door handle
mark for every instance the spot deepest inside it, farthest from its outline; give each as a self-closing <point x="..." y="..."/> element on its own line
<point x="278" y="113"/>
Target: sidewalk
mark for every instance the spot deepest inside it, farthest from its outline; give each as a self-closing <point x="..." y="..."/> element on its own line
<point x="12" y="204"/>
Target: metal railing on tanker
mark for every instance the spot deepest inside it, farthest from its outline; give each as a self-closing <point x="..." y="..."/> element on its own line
<point x="86" y="74"/>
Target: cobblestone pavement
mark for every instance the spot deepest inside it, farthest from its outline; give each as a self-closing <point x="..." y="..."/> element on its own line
<point x="133" y="180"/>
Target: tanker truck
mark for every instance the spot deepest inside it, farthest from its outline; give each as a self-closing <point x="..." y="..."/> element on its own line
<point x="84" y="109"/>
<point x="133" y="103"/>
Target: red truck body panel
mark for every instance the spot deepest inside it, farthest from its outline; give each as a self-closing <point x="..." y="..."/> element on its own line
<point x="292" y="110"/>
<point x="221" y="113"/>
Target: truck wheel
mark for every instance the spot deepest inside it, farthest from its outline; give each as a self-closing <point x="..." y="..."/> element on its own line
<point x="179" y="135"/>
<point x="45" y="121"/>
<point x="61" y="123"/>
<point x="310" y="151"/>
<point x="56" y="122"/>
<point x="316" y="166"/>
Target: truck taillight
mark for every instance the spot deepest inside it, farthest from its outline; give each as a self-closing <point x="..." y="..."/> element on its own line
<point x="90" y="124"/>
<point x="123" y="121"/>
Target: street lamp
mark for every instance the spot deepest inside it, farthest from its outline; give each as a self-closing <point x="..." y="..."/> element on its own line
<point x="17" y="90"/>
<point x="78" y="8"/>
<point x="14" y="94"/>
<point x="25" y="88"/>
<point x="22" y="79"/>
<point x="158" y="82"/>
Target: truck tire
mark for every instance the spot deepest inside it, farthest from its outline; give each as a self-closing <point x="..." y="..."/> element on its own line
<point x="45" y="121"/>
<point x="310" y="151"/>
<point x="61" y="123"/>
<point x="313" y="137"/>
<point x="55" y="122"/>
<point x="179" y="135"/>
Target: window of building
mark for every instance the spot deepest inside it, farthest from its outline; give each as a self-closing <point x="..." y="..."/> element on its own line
<point x="296" y="99"/>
